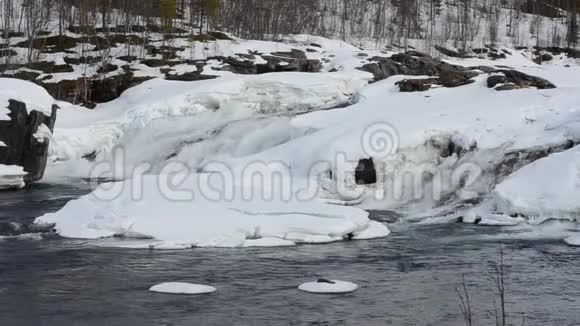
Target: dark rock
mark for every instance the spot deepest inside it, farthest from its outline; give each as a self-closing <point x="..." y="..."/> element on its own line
<point x="23" y="74"/>
<point x="523" y="80"/>
<point x="365" y="173"/>
<point x="416" y="54"/>
<point x="87" y="92"/>
<point x="23" y="149"/>
<point x="507" y="87"/>
<point x="311" y="50"/>
<point x="219" y="35"/>
<point x="82" y="60"/>
<point x="324" y="280"/>
<point x="496" y="56"/>
<point x="7" y="53"/>
<point x="486" y="69"/>
<point x="543" y="57"/>
<point x="51" y="44"/>
<point x="451" y="53"/>
<point x="107" y="68"/>
<point x="316" y="45"/>
<point x="127" y="58"/>
<point x="494" y="80"/>
<point x="416" y="85"/>
<point x="49" y="67"/>
<point x="519" y="48"/>
<point x="455" y="78"/>
<point x="189" y="76"/>
<point x="480" y="50"/>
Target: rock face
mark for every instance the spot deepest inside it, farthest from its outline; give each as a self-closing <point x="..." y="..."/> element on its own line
<point x="23" y="147"/>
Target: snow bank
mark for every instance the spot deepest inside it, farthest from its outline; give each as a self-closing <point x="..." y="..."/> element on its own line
<point x="182" y="288"/>
<point x="328" y="287"/>
<point x="189" y="216"/>
<point x="35" y="97"/>
<point x="11" y="177"/>
<point x="547" y="188"/>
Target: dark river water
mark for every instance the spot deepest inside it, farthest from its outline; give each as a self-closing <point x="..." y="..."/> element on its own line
<point x="408" y="278"/>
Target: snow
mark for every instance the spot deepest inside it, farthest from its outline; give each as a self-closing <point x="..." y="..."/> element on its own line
<point x="191" y="215"/>
<point x="42" y="133"/>
<point x="11" y="177"/>
<point x="547" y="188"/>
<point x="284" y="121"/>
<point x="328" y="287"/>
<point x="3" y="144"/>
<point x="182" y="288"/>
<point x="35" y="97"/>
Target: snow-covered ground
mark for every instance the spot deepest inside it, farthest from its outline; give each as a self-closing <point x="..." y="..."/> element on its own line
<point x="304" y="134"/>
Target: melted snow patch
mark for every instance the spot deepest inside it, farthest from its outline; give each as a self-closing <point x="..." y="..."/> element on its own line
<point x="182" y="288"/>
<point x="328" y="286"/>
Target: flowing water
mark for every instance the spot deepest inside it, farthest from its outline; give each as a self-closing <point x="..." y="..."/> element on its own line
<point x="408" y="278"/>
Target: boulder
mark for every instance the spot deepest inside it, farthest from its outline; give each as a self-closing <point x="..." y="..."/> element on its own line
<point x="451" y="53"/>
<point x="456" y="77"/>
<point x="24" y="146"/>
<point x="514" y="79"/>
<point x="365" y="172"/>
<point x="416" y="85"/>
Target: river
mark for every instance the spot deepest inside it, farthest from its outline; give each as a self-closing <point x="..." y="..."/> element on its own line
<point x="408" y="278"/>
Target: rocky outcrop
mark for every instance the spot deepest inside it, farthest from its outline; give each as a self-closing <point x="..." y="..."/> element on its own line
<point x="409" y="63"/>
<point x="294" y="60"/>
<point x="447" y="78"/>
<point x="451" y="53"/>
<point x="25" y="145"/>
<point x="416" y="84"/>
<point x="512" y="79"/>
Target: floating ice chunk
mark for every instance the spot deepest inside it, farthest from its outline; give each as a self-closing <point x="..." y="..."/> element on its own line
<point x="182" y="288"/>
<point x="11" y="177"/>
<point x="328" y="286"/>
<point x="373" y="231"/>
<point x="269" y="242"/>
<point x="573" y="241"/>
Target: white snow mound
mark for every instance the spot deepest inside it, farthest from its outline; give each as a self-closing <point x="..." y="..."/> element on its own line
<point x="187" y="217"/>
<point x="547" y="188"/>
<point x="182" y="288"/>
<point x="328" y="286"/>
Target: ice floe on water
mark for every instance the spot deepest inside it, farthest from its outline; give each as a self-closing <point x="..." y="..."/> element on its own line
<point x="187" y="216"/>
<point x="182" y="288"/>
<point x="324" y="286"/>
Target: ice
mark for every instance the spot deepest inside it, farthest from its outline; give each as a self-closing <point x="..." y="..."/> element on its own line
<point x="182" y="288"/>
<point x="189" y="216"/>
<point x="3" y="144"/>
<point x="573" y="241"/>
<point x="547" y="188"/>
<point x="11" y="177"/>
<point x="328" y="287"/>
